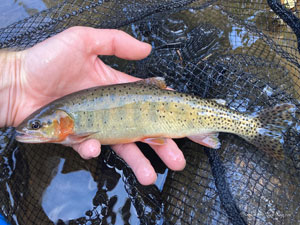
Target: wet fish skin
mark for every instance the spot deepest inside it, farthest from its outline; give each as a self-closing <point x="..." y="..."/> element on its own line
<point x="145" y="111"/>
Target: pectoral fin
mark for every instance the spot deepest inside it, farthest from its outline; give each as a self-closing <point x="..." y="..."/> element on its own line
<point x="154" y="141"/>
<point x="210" y="140"/>
<point x="77" y="138"/>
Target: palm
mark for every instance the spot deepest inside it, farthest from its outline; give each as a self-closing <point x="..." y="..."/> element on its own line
<point x="62" y="65"/>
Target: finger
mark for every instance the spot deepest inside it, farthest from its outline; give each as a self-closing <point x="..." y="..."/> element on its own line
<point x="140" y="165"/>
<point x="170" y="154"/>
<point x="88" y="149"/>
<point x="118" y="43"/>
<point x="112" y="42"/>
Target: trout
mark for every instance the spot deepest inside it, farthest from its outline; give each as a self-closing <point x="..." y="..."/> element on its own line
<point x="146" y="111"/>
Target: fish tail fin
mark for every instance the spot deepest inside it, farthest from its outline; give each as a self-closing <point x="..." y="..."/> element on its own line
<point x="271" y="125"/>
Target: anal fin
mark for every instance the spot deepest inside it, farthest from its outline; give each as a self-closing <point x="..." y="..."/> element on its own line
<point x="155" y="141"/>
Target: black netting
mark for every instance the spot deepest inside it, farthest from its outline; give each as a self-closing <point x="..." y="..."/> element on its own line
<point x="240" y="51"/>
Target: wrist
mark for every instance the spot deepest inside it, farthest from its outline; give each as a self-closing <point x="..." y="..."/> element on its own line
<point x="10" y="87"/>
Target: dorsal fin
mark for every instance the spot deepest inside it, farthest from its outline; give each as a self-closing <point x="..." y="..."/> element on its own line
<point x="155" y="81"/>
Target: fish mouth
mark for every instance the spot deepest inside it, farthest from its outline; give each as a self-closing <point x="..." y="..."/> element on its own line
<point x="27" y="138"/>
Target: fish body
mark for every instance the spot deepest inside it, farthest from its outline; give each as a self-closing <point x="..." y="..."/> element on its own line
<point x="146" y="111"/>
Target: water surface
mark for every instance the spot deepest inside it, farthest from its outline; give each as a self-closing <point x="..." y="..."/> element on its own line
<point x="12" y="11"/>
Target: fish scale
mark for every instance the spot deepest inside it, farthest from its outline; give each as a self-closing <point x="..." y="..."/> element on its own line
<point x="147" y="111"/>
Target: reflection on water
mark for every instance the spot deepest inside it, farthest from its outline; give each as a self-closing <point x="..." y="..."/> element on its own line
<point x="12" y="11"/>
<point x="66" y="191"/>
<point x="240" y="37"/>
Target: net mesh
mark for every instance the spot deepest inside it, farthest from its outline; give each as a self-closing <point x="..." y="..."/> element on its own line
<point x="240" y="51"/>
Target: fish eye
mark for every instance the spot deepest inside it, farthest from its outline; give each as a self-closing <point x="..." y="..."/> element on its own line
<point x="35" y="124"/>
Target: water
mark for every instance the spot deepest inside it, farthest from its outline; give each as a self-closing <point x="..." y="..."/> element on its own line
<point x="63" y="193"/>
<point x="12" y="11"/>
<point x="64" y="187"/>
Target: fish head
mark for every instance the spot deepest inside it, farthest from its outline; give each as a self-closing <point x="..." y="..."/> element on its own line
<point x="45" y="126"/>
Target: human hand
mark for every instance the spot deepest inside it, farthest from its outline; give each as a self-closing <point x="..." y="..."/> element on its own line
<point x="68" y="62"/>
